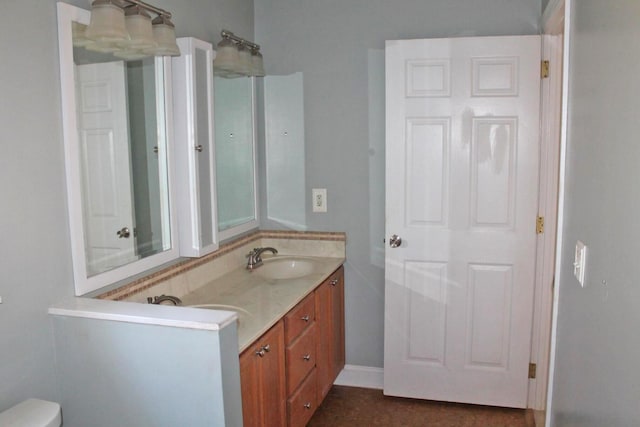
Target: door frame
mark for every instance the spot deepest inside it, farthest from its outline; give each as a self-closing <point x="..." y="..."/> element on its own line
<point x="552" y="146"/>
<point x="556" y="19"/>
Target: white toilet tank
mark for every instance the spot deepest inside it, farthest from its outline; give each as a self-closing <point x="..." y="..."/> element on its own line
<point x="32" y="413"/>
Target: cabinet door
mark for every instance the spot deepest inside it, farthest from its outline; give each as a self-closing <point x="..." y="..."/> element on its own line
<point x="262" y="380"/>
<point x="330" y="329"/>
<point x="324" y="351"/>
<point x="336" y="283"/>
<point x="274" y="397"/>
<point x="194" y="147"/>
<point x="249" y="386"/>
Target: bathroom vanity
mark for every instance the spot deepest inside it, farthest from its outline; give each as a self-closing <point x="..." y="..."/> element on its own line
<point x="287" y="372"/>
<point x="290" y="316"/>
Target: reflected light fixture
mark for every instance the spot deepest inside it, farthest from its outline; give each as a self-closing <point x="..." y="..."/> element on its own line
<point x="237" y="57"/>
<point x="125" y="28"/>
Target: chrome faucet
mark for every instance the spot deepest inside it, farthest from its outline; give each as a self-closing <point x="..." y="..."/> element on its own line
<point x="161" y="298"/>
<point x="255" y="257"/>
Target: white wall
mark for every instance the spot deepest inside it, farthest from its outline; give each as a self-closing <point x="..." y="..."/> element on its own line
<point x="334" y="43"/>
<point x="596" y="378"/>
<point x="35" y="261"/>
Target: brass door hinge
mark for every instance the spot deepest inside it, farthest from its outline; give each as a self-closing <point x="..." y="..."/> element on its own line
<point x="544" y="69"/>
<point x="540" y="225"/>
<point x="532" y="370"/>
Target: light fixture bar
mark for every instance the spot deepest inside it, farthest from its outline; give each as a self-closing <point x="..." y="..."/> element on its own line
<point x="226" y="34"/>
<point x="147" y="6"/>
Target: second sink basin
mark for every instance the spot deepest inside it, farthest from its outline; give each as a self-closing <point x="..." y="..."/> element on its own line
<point x="286" y="267"/>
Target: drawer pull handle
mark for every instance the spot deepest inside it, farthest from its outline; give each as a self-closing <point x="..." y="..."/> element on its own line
<point x="263" y="350"/>
<point x="307" y="357"/>
<point x="307" y="405"/>
<point x="305" y="318"/>
<point x="334" y="282"/>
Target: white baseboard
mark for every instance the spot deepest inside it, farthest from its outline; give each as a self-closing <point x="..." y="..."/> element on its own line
<point x="361" y="376"/>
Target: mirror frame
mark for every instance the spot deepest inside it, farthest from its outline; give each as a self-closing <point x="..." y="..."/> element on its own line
<point x="84" y="284"/>
<point x="255" y="223"/>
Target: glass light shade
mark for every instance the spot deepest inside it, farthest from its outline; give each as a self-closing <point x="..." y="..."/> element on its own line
<point x="227" y="59"/>
<point x="102" y="47"/>
<point x="78" y="34"/>
<point x="244" y="63"/>
<point x="130" y="54"/>
<point x="165" y="36"/>
<point x="107" y="23"/>
<point x="257" y="65"/>
<point x="227" y="74"/>
<point x="138" y="24"/>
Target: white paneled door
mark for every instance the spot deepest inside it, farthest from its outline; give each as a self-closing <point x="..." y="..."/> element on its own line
<point x="461" y="193"/>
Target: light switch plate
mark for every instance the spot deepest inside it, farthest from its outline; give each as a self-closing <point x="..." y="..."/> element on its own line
<point x="319" y="199"/>
<point x="579" y="262"/>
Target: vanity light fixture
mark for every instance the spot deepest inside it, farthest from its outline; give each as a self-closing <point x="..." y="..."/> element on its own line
<point x="165" y="36"/>
<point x="244" y="63"/>
<point x="107" y="24"/>
<point x="257" y="66"/>
<point x="237" y="57"/>
<point x="125" y="28"/>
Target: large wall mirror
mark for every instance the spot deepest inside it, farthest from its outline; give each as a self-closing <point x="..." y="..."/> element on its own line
<point x="116" y="116"/>
<point x="234" y="112"/>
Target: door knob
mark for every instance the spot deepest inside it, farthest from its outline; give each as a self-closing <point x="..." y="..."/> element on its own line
<point x="395" y="241"/>
<point x="124" y="233"/>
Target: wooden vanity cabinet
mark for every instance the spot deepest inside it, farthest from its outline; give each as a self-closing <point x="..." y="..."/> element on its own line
<point x="285" y="385"/>
<point x="262" y="380"/>
<point x="330" y="351"/>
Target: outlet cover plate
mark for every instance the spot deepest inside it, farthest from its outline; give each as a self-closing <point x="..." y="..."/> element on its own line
<point x="319" y="199"/>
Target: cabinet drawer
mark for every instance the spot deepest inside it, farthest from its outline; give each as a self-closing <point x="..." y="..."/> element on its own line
<point x="302" y="404"/>
<point x="301" y="358"/>
<point x="299" y="318"/>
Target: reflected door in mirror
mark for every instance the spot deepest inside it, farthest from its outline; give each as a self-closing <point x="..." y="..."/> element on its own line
<point x="106" y="174"/>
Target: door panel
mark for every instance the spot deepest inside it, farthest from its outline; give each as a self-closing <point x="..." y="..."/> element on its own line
<point x="106" y="165"/>
<point x="462" y="171"/>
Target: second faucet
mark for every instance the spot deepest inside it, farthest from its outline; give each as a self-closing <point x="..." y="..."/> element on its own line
<point x="255" y="257"/>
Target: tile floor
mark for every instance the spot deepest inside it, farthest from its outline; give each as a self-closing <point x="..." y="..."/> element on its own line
<point x="351" y="406"/>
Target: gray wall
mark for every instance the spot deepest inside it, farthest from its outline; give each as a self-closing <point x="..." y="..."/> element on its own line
<point x="332" y="43"/>
<point x="127" y="374"/>
<point x="596" y="378"/>
<point x="35" y="262"/>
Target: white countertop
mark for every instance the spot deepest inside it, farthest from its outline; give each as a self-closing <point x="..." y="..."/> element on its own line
<point x="264" y="301"/>
<point x="150" y="314"/>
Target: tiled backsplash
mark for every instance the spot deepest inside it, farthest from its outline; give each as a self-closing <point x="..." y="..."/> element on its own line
<point x="191" y="274"/>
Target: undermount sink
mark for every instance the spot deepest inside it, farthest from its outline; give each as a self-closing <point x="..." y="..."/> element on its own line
<point x="242" y="313"/>
<point x="286" y="267"/>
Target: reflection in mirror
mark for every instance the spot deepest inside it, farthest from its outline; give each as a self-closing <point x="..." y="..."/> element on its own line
<point x="116" y="113"/>
<point x="235" y="155"/>
<point x="285" y="153"/>
<point x="375" y="62"/>
<point x="115" y="144"/>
